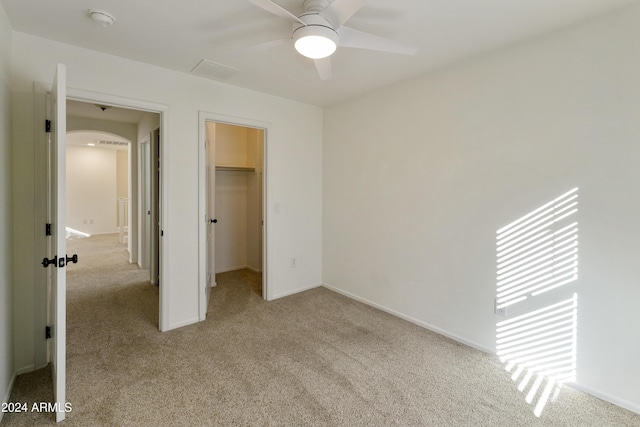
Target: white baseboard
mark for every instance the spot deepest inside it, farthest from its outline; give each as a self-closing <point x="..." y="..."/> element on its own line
<point x="611" y="399"/>
<point x="295" y="291"/>
<point x="607" y="398"/>
<point x="411" y="319"/>
<point x="25" y="369"/>
<point x="238" y="267"/>
<point x="234" y="268"/>
<point x="181" y="324"/>
<point x="7" y="395"/>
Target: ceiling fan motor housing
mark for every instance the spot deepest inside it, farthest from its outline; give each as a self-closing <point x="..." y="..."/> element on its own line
<point x="317" y="26"/>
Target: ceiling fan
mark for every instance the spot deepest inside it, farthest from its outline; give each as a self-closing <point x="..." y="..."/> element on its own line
<point x="319" y="31"/>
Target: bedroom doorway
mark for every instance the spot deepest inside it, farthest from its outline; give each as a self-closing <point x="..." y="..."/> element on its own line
<point x="120" y="191"/>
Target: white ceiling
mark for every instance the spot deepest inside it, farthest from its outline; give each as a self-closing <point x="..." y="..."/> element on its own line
<point x="179" y="34"/>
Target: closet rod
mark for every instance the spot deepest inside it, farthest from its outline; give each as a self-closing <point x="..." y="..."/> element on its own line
<point x="235" y="168"/>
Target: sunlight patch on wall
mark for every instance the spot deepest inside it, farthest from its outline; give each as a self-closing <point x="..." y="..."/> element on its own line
<point x="535" y="255"/>
<point x="540" y="344"/>
<point x="538" y="254"/>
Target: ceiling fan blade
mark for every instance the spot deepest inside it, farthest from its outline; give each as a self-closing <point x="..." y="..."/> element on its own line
<point x="358" y="39"/>
<point x="338" y="12"/>
<point x="324" y="68"/>
<point x="260" y="47"/>
<point x="273" y="8"/>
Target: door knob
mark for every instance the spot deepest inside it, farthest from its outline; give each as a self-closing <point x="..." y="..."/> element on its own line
<point x="59" y="262"/>
<point x="213" y="221"/>
<point x="47" y="262"/>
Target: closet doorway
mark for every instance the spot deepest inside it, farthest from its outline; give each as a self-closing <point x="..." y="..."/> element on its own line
<point x="234" y="160"/>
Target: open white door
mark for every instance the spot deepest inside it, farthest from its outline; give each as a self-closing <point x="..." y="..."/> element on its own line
<point x="144" y="192"/>
<point x="57" y="242"/>
<point x="211" y="209"/>
<point x="206" y="212"/>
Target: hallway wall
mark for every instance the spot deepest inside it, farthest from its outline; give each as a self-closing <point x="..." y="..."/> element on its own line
<point x="92" y="191"/>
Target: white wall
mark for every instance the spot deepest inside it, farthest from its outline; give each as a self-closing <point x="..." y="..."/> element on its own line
<point x="6" y="249"/>
<point x="122" y="181"/>
<point x="231" y="145"/>
<point x="418" y="178"/>
<point x="92" y="189"/>
<point x="148" y="123"/>
<point x="294" y="153"/>
<point x="231" y="194"/>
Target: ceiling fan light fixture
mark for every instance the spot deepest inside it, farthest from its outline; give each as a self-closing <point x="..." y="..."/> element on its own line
<point x="315" y="42"/>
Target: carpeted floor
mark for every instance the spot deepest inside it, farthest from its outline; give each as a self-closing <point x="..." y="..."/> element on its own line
<point x="314" y="359"/>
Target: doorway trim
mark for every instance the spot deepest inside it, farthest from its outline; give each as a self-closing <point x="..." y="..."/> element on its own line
<point x="151" y="107"/>
<point x="203" y="118"/>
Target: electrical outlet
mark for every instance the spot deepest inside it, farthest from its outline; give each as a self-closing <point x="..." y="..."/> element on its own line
<point x="294" y="262"/>
<point x="502" y="312"/>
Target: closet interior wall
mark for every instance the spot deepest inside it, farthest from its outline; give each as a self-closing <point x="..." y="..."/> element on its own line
<point x="238" y="197"/>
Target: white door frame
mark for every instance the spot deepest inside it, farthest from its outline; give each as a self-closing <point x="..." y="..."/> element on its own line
<point x="203" y="117"/>
<point x="135" y="104"/>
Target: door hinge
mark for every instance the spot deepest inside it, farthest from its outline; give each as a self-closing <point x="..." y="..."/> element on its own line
<point x="47" y="332"/>
<point x="47" y="230"/>
<point x="47" y="126"/>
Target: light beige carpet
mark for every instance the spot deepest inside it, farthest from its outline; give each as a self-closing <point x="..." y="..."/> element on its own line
<point x="312" y="359"/>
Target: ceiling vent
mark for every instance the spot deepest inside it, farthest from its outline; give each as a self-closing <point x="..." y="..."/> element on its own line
<point x="112" y="143"/>
<point x="213" y="70"/>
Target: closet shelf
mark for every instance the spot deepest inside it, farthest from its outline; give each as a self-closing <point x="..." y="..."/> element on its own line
<point x="235" y="168"/>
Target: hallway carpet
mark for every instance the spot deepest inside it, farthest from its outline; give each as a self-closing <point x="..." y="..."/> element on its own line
<point x="311" y="359"/>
